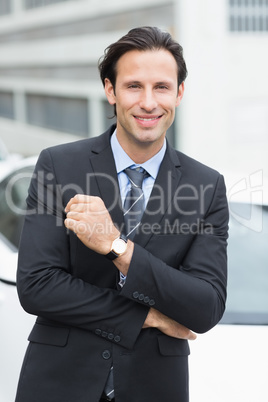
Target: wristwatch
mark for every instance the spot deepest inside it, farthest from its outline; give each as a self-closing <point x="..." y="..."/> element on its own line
<point x="119" y="246"/>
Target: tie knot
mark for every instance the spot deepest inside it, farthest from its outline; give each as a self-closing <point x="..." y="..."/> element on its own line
<point x="136" y="176"/>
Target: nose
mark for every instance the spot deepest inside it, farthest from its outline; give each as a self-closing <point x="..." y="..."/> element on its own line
<point x="148" y="101"/>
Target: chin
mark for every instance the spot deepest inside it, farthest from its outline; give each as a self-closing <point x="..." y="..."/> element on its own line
<point x="146" y="139"/>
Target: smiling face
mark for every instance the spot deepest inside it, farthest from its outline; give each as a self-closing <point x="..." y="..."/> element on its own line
<point x="146" y="95"/>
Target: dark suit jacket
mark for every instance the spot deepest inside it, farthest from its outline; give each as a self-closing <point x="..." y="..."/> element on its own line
<point x="85" y="323"/>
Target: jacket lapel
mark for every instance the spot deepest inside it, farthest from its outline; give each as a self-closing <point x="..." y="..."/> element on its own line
<point x="104" y="169"/>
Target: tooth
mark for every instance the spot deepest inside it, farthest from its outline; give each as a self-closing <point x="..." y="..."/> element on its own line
<point x="141" y="118"/>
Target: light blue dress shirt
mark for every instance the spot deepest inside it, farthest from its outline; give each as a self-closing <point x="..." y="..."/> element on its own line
<point x="123" y="161"/>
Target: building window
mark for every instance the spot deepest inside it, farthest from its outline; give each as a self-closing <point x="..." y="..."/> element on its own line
<point x="6" y="105"/>
<point x="40" y="3"/>
<point x="69" y="115"/>
<point x="248" y="15"/>
<point x="5" y="7"/>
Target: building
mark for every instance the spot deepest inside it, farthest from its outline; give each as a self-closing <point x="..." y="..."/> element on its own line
<point x="50" y="91"/>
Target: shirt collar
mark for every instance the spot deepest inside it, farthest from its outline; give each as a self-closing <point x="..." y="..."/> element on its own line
<point x="122" y="160"/>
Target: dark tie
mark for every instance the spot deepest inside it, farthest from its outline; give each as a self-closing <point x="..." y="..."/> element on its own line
<point x="133" y="207"/>
<point x="109" y="387"/>
<point x="134" y="202"/>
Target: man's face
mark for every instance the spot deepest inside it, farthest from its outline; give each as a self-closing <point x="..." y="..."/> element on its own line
<point x="146" y="94"/>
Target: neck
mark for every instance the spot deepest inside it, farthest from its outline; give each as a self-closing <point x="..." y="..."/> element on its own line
<point x="140" y="152"/>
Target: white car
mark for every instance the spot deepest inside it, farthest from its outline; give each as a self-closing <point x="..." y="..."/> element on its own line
<point x="228" y="364"/>
<point x="15" y="323"/>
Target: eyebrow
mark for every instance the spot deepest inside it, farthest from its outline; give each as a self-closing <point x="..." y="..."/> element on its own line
<point x="129" y="82"/>
<point x="169" y="83"/>
<point x="132" y="82"/>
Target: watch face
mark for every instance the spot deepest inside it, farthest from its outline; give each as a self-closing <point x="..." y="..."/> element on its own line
<point x="119" y="246"/>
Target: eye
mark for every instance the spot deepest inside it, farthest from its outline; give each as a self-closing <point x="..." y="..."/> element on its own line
<point x="163" y="87"/>
<point x="134" y="86"/>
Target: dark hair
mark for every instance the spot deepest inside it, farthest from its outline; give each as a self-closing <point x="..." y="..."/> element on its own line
<point x="143" y="38"/>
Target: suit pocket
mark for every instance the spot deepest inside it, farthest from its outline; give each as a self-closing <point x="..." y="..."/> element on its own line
<point x="49" y="335"/>
<point x="169" y="346"/>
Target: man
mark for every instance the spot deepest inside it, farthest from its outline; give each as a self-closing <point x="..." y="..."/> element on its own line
<point x="118" y="291"/>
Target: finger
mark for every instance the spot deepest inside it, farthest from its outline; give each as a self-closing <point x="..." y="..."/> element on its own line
<point x="80" y="207"/>
<point x="83" y="199"/>
<point x="74" y="215"/>
<point x="78" y="198"/>
<point x="186" y="333"/>
<point x="192" y="336"/>
<point x="70" y="224"/>
<point x="69" y="204"/>
<point x="79" y="228"/>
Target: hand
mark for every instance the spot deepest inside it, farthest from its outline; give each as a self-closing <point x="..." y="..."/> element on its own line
<point x="168" y="326"/>
<point x="90" y="220"/>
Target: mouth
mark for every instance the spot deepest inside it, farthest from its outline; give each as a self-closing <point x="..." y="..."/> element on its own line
<point x="147" y="122"/>
<point x="147" y="118"/>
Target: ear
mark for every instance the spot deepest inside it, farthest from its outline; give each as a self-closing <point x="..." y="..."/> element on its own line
<point x="109" y="91"/>
<point x="180" y="94"/>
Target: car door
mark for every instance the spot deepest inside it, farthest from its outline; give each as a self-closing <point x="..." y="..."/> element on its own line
<point x="15" y="323"/>
<point x="229" y="363"/>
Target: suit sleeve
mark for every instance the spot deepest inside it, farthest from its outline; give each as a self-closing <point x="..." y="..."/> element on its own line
<point x="45" y="282"/>
<point x="193" y="292"/>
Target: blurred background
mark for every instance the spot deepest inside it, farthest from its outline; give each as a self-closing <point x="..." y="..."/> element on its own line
<point x="50" y="93"/>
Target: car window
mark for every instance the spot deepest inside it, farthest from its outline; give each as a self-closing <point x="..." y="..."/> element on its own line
<point x="247" y="301"/>
<point x="13" y="193"/>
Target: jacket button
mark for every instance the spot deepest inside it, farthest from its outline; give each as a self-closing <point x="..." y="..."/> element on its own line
<point x="117" y="338"/>
<point x="106" y="354"/>
<point x="110" y="336"/>
<point x="141" y="297"/>
<point x="98" y="331"/>
<point x="151" y="302"/>
<point x="104" y="334"/>
<point x="136" y="295"/>
<point x="146" y="299"/>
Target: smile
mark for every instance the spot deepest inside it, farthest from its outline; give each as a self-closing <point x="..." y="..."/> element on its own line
<point x="147" y="119"/>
